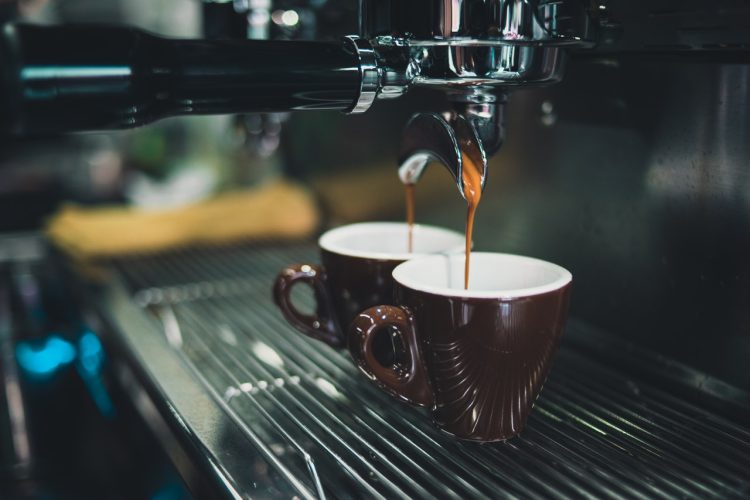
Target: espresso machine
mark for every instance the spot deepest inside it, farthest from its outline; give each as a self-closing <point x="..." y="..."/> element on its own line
<point x="56" y="80"/>
<point x="625" y="161"/>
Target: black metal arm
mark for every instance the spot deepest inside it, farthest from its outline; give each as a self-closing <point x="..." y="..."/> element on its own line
<point x="79" y="77"/>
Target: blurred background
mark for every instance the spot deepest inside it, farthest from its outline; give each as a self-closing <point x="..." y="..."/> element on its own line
<point x="632" y="173"/>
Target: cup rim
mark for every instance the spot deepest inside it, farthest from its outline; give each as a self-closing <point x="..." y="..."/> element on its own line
<point x="327" y="241"/>
<point x="564" y="278"/>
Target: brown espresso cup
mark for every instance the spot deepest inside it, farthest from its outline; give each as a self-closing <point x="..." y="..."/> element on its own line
<point x="478" y="357"/>
<point x="357" y="265"/>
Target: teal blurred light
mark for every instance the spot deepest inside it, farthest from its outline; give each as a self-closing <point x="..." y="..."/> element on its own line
<point x="43" y="358"/>
<point x="90" y="363"/>
<point x="90" y="353"/>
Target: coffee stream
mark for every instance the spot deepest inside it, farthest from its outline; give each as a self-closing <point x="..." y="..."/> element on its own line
<point x="472" y="178"/>
<point x="410" y="214"/>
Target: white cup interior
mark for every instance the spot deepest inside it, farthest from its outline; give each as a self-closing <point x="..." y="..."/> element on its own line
<point x="492" y="275"/>
<point x="389" y="240"/>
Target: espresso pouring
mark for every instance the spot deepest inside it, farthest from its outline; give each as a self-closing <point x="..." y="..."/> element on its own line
<point x="472" y="180"/>
<point x="472" y="177"/>
<point x="410" y="215"/>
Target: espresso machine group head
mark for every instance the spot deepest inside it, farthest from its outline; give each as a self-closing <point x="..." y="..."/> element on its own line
<point x="91" y="77"/>
<point x="476" y="51"/>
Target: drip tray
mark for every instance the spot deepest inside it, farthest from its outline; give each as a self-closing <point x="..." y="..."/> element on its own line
<point x="269" y="412"/>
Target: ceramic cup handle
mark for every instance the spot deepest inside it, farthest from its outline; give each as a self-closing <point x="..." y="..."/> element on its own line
<point x="409" y="382"/>
<point x="319" y="326"/>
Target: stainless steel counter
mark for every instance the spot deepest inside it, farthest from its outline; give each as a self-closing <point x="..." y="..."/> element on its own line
<point x="266" y="412"/>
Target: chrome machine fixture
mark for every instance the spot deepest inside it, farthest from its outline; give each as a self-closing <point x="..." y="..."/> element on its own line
<point x="54" y="79"/>
<point x="476" y="51"/>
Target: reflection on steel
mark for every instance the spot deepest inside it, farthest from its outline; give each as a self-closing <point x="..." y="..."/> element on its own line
<point x="369" y="74"/>
<point x="171" y="326"/>
<point x="709" y="158"/>
<point x="329" y="432"/>
<point x="15" y="455"/>
<point x="478" y="42"/>
<point x="476" y="131"/>
<point x="168" y="318"/>
<point x="473" y="22"/>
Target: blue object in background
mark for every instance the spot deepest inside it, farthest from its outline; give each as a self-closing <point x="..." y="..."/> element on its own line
<point x="44" y="358"/>
<point x="41" y="359"/>
<point x="90" y="353"/>
<point x="90" y="363"/>
<point x="172" y="489"/>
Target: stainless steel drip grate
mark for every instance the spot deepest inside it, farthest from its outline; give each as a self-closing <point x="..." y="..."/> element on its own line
<point x="328" y="432"/>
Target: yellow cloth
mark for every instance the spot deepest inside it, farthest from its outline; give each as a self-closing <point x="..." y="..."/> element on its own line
<point x="276" y="211"/>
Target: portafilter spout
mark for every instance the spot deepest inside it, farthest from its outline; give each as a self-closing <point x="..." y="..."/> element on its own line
<point x="474" y="129"/>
